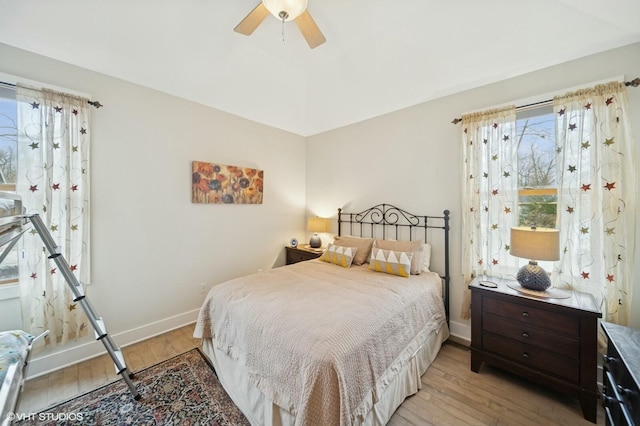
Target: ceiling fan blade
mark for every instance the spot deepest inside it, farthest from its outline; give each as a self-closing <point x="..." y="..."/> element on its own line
<point x="252" y="20"/>
<point x="310" y="30"/>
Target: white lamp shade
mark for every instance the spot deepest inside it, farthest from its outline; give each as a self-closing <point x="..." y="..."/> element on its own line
<point x="535" y="243"/>
<point x="294" y="8"/>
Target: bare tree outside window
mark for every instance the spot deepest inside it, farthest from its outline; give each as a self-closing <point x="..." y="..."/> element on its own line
<point x="537" y="185"/>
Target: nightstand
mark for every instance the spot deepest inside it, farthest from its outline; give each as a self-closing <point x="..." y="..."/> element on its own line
<point x="549" y="341"/>
<point x="299" y="254"/>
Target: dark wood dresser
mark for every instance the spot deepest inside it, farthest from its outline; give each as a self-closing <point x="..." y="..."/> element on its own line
<point x="299" y="254"/>
<point x="552" y="341"/>
<point x="621" y="375"/>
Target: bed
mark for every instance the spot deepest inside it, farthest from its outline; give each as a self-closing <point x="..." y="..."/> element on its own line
<point x="342" y="339"/>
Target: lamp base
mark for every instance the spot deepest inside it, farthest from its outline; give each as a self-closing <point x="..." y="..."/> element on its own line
<point x="533" y="277"/>
<point x="315" y="241"/>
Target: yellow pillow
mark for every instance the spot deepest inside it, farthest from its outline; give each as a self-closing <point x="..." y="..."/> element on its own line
<point x="415" y="247"/>
<point x="391" y="262"/>
<point x="339" y="255"/>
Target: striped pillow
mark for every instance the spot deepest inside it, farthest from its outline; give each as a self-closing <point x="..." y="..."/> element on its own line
<point x="339" y="255"/>
<point x="391" y="262"/>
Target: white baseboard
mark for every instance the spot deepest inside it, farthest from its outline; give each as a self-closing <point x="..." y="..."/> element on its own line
<point x="47" y="363"/>
<point x="461" y="332"/>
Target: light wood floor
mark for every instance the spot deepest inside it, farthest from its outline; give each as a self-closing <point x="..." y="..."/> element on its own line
<point x="451" y="393"/>
<point x="61" y="385"/>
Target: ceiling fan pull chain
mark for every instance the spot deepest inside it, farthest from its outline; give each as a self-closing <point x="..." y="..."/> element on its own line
<point x="283" y="15"/>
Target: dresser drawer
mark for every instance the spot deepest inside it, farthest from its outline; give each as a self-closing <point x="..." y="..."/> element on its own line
<point x="619" y="386"/>
<point x="295" y="255"/>
<point x="532" y="356"/>
<point x="554" y="321"/>
<point x="531" y="335"/>
<point x="617" y="410"/>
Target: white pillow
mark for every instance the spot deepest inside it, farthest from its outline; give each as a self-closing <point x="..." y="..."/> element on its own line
<point x="426" y="257"/>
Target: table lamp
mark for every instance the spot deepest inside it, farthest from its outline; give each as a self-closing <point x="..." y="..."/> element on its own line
<point x="315" y="225"/>
<point x="534" y="244"/>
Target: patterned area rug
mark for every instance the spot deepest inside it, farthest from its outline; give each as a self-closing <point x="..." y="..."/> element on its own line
<point x="183" y="390"/>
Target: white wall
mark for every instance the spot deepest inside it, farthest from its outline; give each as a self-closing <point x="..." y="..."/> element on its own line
<point x="151" y="247"/>
<point x="412" y="157"/>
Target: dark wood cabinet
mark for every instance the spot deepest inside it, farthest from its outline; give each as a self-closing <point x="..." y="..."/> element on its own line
<point x="621" y="375"/>
<point x="299" y="254"/>
<point x="552" y="341"/>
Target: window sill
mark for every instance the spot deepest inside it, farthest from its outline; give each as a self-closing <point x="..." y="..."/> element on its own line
<point x="9" y="291"/>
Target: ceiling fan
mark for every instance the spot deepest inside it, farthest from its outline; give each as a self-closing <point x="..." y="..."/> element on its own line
<point x="284" y="10"/>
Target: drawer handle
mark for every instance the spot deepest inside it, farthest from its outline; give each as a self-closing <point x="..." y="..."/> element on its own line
<point x="623" y="391"/>
<point x="525" y="314"/>
<point x="606" y="400"/>
<point x="525" y="355"/>
<point x="609" y="359"/>
<point x="525" y="335"/>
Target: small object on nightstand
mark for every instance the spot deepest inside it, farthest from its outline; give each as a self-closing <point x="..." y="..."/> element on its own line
<point x="489" y="284"/>
<point x="294" y="242"/>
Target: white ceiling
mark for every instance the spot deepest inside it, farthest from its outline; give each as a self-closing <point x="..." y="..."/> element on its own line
<point x="380" y="55"/>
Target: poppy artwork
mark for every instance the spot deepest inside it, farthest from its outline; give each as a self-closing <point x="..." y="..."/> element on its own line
<point x="213" y="183"/>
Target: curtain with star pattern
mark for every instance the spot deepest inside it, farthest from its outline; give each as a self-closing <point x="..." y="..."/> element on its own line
<point x="489" y="195"/>
<point x="597" y="196"/>
<point x="53" y="180"/>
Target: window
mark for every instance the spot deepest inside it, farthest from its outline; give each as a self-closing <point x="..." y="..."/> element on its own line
<point x="537" y="184"/>
<point x="589" y="194"/>
<point x="8" y="169"/>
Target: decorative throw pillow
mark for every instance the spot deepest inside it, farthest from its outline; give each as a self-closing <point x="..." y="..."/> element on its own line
<point x="338" y="255"/>
<point x="415" y="247"/>
<point x="362" y="244"/>
<point x="390" y="262"/>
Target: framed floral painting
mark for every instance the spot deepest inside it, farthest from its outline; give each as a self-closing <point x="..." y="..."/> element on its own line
<point x="213" y="183"/>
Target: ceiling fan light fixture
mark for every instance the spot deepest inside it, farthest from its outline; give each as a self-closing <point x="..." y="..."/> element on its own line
<point x="285" y="10"/>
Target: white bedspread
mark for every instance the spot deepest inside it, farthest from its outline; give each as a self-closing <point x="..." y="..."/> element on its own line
<point x="320" y="340"/>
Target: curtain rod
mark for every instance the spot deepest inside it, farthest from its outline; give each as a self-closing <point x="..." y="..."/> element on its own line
<point x="633" y="83"/>
<point x="95" y="104"/>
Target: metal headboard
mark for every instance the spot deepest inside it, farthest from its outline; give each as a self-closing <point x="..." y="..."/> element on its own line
<point x="386" y="221"/>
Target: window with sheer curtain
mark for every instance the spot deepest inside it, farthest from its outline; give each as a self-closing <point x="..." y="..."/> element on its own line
<point x="52" y="176"/>
<point x="595" y="196"/>
<point x="489" y="195"/>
